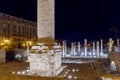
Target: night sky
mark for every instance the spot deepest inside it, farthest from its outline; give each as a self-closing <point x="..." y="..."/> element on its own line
<point x="74" y="19"/>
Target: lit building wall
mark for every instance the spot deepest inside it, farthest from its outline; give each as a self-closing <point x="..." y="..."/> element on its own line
<point x="17" y="30"/>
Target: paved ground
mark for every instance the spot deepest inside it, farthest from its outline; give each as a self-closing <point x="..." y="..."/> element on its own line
<point x="87" y="71"/>
<point x="7" y="69"/>
<point x="74" y="71"/>
<point x="110" y="76"/>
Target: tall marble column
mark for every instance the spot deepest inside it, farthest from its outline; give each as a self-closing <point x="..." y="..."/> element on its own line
<point x="45" y="18"/>
<point x="72" y="48"/>
<point x="79" y="50"/>
<point x="64" y="48"/>
<point x="93" y="49"/>
<point x="85" y="47"/>
<point x="101" y="47"/>
<point x="118" y="42"/>
<point x="110" y="44"/>
<point x="98" y="52"/>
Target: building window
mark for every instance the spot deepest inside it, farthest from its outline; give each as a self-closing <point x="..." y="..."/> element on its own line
<point x="4" y="29"/>
<point x="8" y="28"/>
<point x="27" y="31"/>
<point x="14" y="30"/>
<point x="30" y="32"/>
<point x="19" y="30"/>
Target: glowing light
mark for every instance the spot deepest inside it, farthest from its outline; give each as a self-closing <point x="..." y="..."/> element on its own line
<point x="18" y="56"/>
<point x="75" y="77"/>
<point x="18" y="72"/>
<point x="1" y="44"/>
<point x="82" y="53"/>
<point x="27" y="70"/>
<point x="23" y="44"/>
<point x="90" y="53"/>
<point x="64" y="75"/>
<point x="6" y="40"/>
<point x="23" y="72"/>
<point x="113" y="65"/>
<point x="29" y="43"/>
<point x="112" y="41"/>
<point x="73" y="70"/>
<point x="69" y="76"/>
<point x="77" y="70"/>
<point x="13" y="72"/>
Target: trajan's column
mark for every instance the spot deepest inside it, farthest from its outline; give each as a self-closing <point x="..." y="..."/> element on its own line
<point x="45" y="18"/>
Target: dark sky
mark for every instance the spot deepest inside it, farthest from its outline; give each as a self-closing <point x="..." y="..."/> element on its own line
<point x="75" y="19"/>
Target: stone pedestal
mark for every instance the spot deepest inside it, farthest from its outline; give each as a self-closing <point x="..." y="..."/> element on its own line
<point x="45" y="61"/>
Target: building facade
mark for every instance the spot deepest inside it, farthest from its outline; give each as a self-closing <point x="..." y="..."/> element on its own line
<point x="16" y="32"/>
